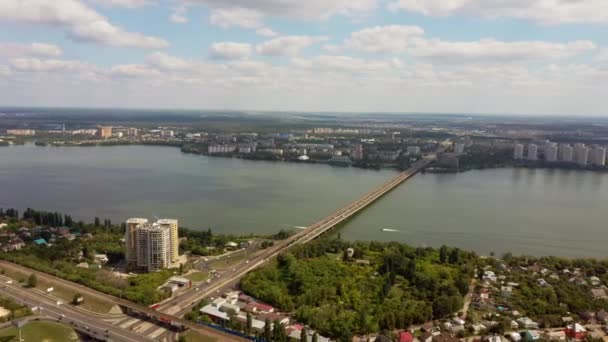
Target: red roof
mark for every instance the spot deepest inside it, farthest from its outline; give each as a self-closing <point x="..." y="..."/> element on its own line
<point x="406" y="336"/>
<point x="262" y="306"/>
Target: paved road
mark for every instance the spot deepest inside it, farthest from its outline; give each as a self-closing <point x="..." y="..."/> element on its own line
<point x="82" y="322"/>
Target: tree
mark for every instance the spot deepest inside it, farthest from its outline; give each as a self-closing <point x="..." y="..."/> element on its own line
<point x="181" y="338"/>
<point x="278" y="332"/>
<point x="249" y="324"/>
<point x="77" y="299"/>
<point x="443" y="254"/>
<point x="454" y="256"/>
<point x="97" y="222"/>
<point x="303" y="335"/>
<point x="32" y="281"/>
<point x="315" y="337"/>
<point x="267" y="330"/>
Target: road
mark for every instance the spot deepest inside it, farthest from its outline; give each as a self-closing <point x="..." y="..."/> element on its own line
<point x="185" y="302"/>
<point x="125" y="304"/>
<point x="82" y="322"/>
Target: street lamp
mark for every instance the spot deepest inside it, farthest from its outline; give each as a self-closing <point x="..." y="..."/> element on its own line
<point x="19" y="325"/>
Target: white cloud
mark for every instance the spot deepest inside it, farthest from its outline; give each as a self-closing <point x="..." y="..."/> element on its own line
<point x="383" y="39"/>
<point x="287" y="45"/>
<point x="12" y="50"/>
<point x="491" y="50"/>
<point x="542" y="11"/>
<point x="230" y="50"/>
<point x="179" y="15"/>
<point x="266" y="32"/>
<point x="123" y="3"/>
<point x="341" y="64"/>
<point x="602" y="56"/>
<point x="164" y="61"/>
<point x="133" y="70"/>
<point x="239" y="17"/>
<point x="81" y="22"/>
<point x="48" y="65"/>
<point x="308" y="10"/>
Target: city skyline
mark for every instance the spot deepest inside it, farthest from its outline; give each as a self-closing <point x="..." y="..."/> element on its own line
<point x="366" y="55"/>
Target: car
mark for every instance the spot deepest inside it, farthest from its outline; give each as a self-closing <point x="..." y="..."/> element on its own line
<point x="62" y="315"/>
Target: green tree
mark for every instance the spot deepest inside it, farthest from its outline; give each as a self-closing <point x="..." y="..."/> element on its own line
<point x="76" y="299"/>
<point x="278" y="332"/>
<point x="32" y="281"/>
<point x="249" y="324"/>
<point x="303" y="335"/>
<point x="97" y="222"/>
<point x="267" y="330"/>
<point x="443" y="254"/>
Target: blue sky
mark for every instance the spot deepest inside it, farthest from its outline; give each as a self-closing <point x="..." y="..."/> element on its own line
<point x="461" y="56"/>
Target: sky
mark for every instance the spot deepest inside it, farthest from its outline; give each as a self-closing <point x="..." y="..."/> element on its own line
<point x="546" y="57"/>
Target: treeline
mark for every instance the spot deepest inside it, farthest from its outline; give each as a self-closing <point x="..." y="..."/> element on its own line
<point x="381" y="286"/>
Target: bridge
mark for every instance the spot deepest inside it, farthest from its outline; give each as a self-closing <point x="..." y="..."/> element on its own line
<point x="184" y="303"/>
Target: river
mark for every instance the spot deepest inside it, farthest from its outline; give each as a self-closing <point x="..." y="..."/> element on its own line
<point x="538" y="212"/>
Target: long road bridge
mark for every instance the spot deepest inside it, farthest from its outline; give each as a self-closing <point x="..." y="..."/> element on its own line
<point x="181" y="305"/>
<point x="170" y="312"/>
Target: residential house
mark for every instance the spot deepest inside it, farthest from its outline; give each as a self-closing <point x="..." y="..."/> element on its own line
<point x="506" y="291"/>
<point x="599" y="293"/>
<point x="575" y="331"/>
<point x="527" y="323"/>
<point x="602" y="317"/>
<point x="531" y="335"/>
<point x="555" y="335"/>
<point x="406" y="336"/>
<point x="445" y="337"/>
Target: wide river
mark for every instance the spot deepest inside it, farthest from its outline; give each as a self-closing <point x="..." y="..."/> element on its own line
<point x="538" y="212"/>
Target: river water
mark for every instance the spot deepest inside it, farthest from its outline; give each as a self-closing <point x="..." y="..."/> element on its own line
<point x="538" y="212"/>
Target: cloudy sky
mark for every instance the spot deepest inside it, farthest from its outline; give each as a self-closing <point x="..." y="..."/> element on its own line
<point x="451" y="56"/>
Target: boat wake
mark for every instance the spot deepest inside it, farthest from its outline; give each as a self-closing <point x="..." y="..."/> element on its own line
<point x="389" y="230"/>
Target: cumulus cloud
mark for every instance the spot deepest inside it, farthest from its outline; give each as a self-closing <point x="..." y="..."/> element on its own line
<point x="308" y="10"/>
<point x="179" y="15"/>
<point x="12" y="50"/>
<point x="266" y="32"/>
<point x="123" y="3"/>
<point x="164" y="61"/>
<point x="81" y="22"/>
<point x="287" y="45"/>
<point x="48" y="65"/>
<point x="542" y="11"/>
<point x="491" y="50"/>
<point x="602" y="56"/>
<point x="384" y="39"/>
<point x="239" y="17"/>
<point x="133" y="70"/>
<point x="230" y="50"/>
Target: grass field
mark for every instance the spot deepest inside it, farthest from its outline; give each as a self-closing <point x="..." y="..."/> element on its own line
<point x="193" y="336"/>
<point x="40" y="331"/>
<point x="197" y="276"/>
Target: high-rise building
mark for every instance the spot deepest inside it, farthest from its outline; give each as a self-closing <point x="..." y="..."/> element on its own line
<point x="599" y="156"/>
<point x="566" y="153"/>
<point x="131" y="239"/>
<point x="532" y="152"/>
<point x="551" y="152"/>
<point x="151" y="246"/>
<point x="518" y="152"/>
<point x="105" y="132"/>
<point x="356" y="152"/>
<point x="581" y="154"/>
<point x="459" y="148"/>
<point x="173" y="229"/>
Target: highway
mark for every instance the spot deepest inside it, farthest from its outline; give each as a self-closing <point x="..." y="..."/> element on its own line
<point x="184" y="303"/>
<point x="82" y="322"/>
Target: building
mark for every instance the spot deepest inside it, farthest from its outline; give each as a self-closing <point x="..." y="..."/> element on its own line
<point x="132" y="132"/>
<point x="413" y="149"/>
<point x="532" y="152"/>
<point x="598" y="156"/>
<point x="551" y="152"/>
<point x="581" y="154"/>
<point x="459" y="148"/>
<point x="105" y="132"/>
<point x="173" y="227"/>
<point x="22" y="132"/>
<point x="152" y="246"/>
<point x="130" y="239"/>
<point x="518" y="152"/>
<point x="566" y="153"/>
<point x="356" y="152"/>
